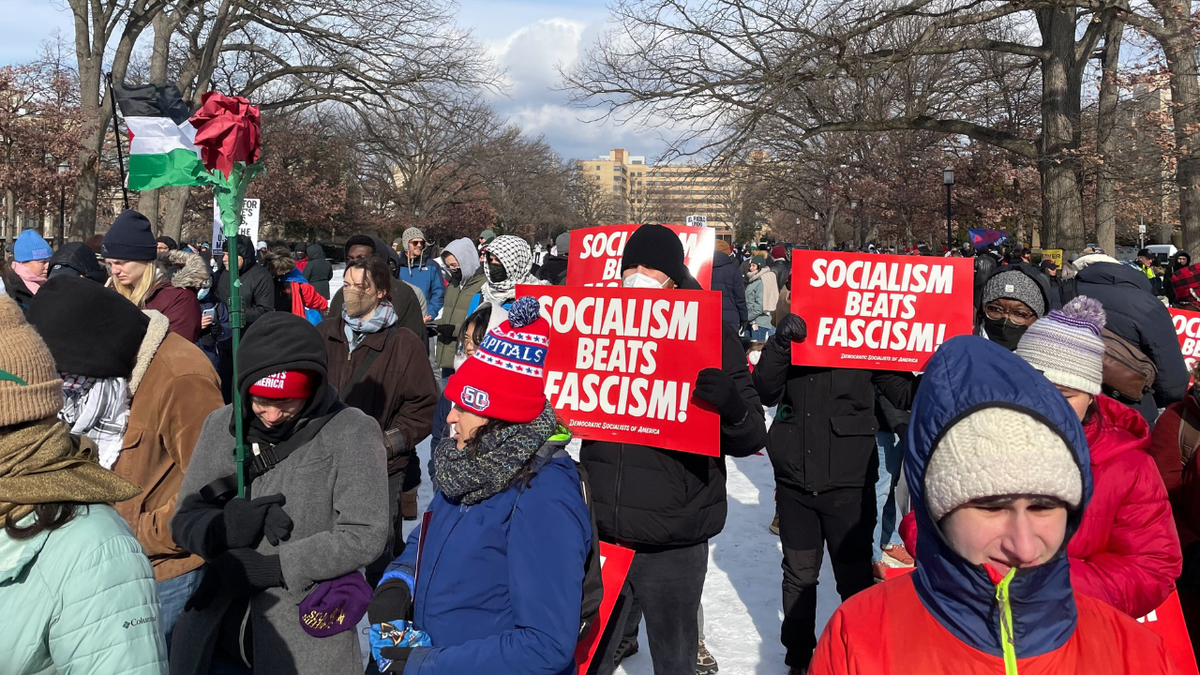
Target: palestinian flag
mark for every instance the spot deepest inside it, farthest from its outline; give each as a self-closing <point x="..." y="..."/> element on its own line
<point x="162" y="150"/>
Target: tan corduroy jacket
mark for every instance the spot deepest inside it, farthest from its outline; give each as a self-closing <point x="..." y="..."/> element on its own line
<point x="174" y="388"/>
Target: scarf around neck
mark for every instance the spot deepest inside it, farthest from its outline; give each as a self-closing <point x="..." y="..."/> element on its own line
<point x="32" y="281"/>
<point x="98" y="409"/>
<point x="357" y="328"/>
<point x="40" y="463"/>
<point x="501" y="454"/>
<point x="770" y="292"/>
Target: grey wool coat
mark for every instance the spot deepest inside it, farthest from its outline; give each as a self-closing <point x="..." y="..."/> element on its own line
<point x="336" y="490"/>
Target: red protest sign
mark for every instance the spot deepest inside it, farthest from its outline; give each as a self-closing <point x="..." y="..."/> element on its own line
<point x="614" y="567"/>
<point x="1187" y="329"/>
<point x="623" y="362"/>
<point x="882" y="312"/>
<point x="596" y="252"/>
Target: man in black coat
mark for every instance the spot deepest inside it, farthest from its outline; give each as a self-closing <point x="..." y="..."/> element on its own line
<point x="665" y="504"/>
<point x="257" y="291"/>
<point x="822" y="447"/>
<point x="1137" y="316"/>
<point x="728" y="280"/>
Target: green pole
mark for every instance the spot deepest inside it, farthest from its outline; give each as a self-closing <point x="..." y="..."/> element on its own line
<point x="235" y="320"/>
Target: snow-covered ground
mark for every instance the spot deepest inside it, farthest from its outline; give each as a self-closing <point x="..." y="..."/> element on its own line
<point x="743" y="607"/>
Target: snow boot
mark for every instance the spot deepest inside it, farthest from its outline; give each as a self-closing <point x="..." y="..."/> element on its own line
<point x="628" y="647"/>
<point x="774" y="526"/>
<point x="705" y="663"/>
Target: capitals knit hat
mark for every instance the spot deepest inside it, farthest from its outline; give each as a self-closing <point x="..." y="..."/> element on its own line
<point x="30" y="246"/>
<point x="336" y="605"/>
<point x="130" y="238"/>
<point x="409" y="235"/>
<point x="503" y="379"/>
<point x="1016" y="285"/>
<point x="1066" y="345"/>
<point x="999" y="451"/>
<point x="30" y="388"/>
<point x="656" y="247"/>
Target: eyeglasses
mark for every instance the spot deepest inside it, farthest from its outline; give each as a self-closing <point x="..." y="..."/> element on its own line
<point x="416" y="242"/>
<point x="1019" y="316"/>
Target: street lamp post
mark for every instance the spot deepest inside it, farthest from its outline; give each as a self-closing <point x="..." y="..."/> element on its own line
<point x="62" y="204"/>
<point x="948" y="181"/>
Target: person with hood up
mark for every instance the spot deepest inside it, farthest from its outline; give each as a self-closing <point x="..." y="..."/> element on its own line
<point x="29" y="267"/>
<point x="1180" y="260"/>
<point x="257" y="287"/>
<point x="1126" y="551"/>
<point x="1009" y="302"/>
<point x="78" y="592"/>
<point x="999" y="475"/>
<point x="140" y="392"/>
<point x="554" y="268"/>
<point x="403" y="297"/>
<point x="318" y="270"/>
<point x="293" y="293"/>
<point x="665" y="504"/>
<point x="507" y="262"/>
<point x="76" y="259"/>
<point x="727" y="280"/>
<point x="762" y="294"/>
<point x="214" y="315"/>
<point x="281" y="560"/>
<point x="505" y="551"/>
<point x="419" y="272"/>
<point x="131" y="252"/>
<point x="380" y="368"/>
<point x="1138" y="317"/>
<point x="466" y="279"/>
<point x="300" y="255"/>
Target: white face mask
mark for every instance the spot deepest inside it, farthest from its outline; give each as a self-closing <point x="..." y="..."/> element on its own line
<point x="202" y="293"/>
<point x="755" y="356"/>
<point x="639" y="280"/>
<point x="459" y="359"/>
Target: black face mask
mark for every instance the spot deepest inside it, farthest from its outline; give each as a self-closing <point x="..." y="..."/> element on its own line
<point x="456" y="276"/>
<point x="496" y="273"/>
<point x="1004" y="332"/>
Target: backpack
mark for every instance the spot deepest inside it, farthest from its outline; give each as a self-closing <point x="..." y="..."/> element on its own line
<point x="1128" y="372"/>
<point x="593" y="583"/>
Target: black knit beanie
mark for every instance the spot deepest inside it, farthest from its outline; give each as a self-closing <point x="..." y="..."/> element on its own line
<point x="130" y="238"/>
<point x="77" y="260"/>
<point x="91" y="330"/>
<point x="172" y="245"/>
<point x="657" y="247"/>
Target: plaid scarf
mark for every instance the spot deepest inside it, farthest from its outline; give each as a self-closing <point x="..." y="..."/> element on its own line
<point x="1186" y="283"/>
<point x="98" y="409"/>
<point x="357" y="328"/>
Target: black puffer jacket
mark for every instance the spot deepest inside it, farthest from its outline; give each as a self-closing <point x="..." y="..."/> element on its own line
<point x="318" y="271"/>
<point x="652" y="498"/>
<point x="823" y="436"/>
<point x="1140" y="318"/>
<point x="727" y="280"/>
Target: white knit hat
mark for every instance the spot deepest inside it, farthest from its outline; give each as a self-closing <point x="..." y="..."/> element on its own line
<point x="1066" y="345"/>
<point x="999" y="451"/>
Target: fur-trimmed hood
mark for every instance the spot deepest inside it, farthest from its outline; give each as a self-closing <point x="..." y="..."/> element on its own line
<point x="190" y="270"/>
<point x="156" y="332"/>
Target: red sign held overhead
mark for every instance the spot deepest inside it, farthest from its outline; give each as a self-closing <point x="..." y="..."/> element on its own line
<point x="880" y="312"/>
<point x="596" y="252"/>
<point x="1187" y="329"/>
<point x="623" y="363"/>
<point x="614" y="567"/>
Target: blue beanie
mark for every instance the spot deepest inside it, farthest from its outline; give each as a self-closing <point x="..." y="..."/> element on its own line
<point x="130" y="238"/>
<point x="30" y="246"/>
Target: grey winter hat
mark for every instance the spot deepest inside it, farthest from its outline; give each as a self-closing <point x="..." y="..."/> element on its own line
<point x="1015" y="285"/>
<point x="410" y="234"/>
<point x="563" y="242"/>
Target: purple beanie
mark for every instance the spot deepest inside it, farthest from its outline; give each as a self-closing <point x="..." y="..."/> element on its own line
<point x="335" y="606"/>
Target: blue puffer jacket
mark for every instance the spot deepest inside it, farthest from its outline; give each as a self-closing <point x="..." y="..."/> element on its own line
<point x="501" y="582"/>
<point x="968" y="373"/>
<point x="428" y="278"/>
<point x="727" y="279"/>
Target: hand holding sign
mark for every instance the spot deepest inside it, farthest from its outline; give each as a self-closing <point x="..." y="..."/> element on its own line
<point x="718" y="388"/>
<point x="791" y="329"/>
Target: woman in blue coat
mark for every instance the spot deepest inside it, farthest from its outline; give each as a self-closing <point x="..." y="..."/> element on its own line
<point x="497" y="581"/>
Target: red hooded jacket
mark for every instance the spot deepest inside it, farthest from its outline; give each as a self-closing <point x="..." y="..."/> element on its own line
<point x="1126" y="551"/>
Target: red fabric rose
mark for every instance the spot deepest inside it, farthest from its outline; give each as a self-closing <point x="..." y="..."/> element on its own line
<point x="227" y="131"/>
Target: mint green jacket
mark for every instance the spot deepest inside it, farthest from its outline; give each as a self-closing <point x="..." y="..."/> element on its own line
<point x="79" y="600"/>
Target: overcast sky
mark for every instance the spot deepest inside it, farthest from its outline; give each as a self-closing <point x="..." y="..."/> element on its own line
<point x="528" y="38"/>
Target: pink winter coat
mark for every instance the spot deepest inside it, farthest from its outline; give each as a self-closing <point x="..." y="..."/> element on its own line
<point x="1126" y="551"/>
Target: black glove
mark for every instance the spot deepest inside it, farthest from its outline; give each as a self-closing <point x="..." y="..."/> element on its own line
<point x="244" y="519"/>
<point x="392" y="602"/>
<point x="244" y="572"/>
<point x="791" y="329"/>
<point x="1190" y="578"/>
<point x="399" y="657"/>
<point x="718" y="388"/>
<point x="445" y="332"/>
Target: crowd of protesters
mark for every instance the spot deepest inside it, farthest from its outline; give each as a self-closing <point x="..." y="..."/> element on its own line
<point x="1040" y="475"/>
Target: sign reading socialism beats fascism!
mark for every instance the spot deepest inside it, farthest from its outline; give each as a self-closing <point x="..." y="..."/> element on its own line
<point x="623" y="363"/>
<point x="596" y="252"/>
<point x="879" y="312"/>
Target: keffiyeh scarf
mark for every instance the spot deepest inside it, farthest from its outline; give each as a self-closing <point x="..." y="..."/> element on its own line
<point x="98" y="409"/>
<point x="516" y="258"/>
